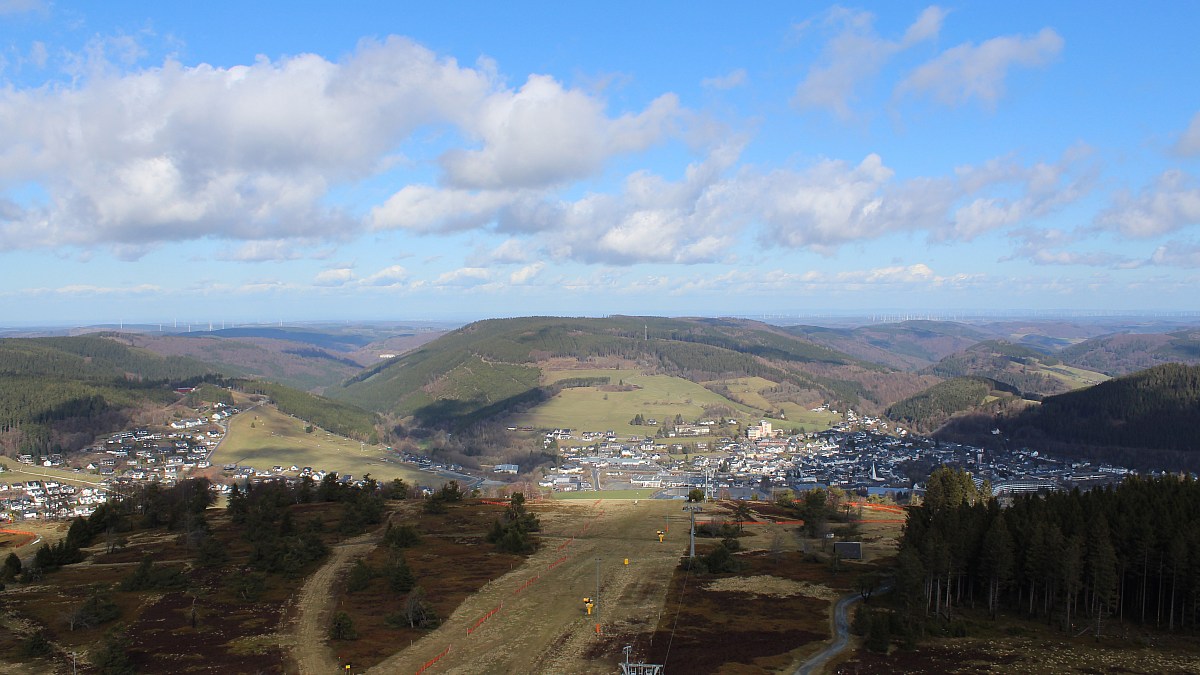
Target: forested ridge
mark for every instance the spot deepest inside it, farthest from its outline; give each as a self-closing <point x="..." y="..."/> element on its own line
<point x="1125" y="353"/>
<point x="1129" y="553"/>
<point x="59" y="392"/>
<point x="928" y="409"/>
<point x="1158" y="408"/>
<point x="92" y="358"/>
<point x="489" y="367"/>
<point x="1015" y="365"/>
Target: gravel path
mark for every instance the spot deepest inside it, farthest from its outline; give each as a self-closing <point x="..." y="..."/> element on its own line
<point x="309" y="634"/>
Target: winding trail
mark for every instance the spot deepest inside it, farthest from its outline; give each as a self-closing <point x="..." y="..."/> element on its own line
<point x="310" y="628"/>
<point x="841" y="636"/>
<point x="841" y="633"/>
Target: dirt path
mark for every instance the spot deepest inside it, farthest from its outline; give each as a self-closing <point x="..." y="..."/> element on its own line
<point x="309" y="632"/>
<point x="533" y="619"/>
<point x="841" y="634"/>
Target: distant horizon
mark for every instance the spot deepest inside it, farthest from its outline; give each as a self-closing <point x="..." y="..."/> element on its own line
<point x="234" y="161"/>
<point x="834" y="316"/>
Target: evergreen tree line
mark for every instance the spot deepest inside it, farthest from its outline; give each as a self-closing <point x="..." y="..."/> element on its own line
<point x="278" y="543"/>
<point x="1157" y="408"/>
<point x="334" y="416"/>
<point x="38" y="407"/>
<point x="995" y="359"/>
<point x="511" y="532"/>
<point x="928" y="409"/>
<point x="1130" y="553"/>
<point x="92" y="358"/>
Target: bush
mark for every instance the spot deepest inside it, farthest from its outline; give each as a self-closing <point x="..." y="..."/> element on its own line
<point x="879" y="632"/>
<point x="97" y="609"/>
<point x="861" y="620"/>
<point x="36" y="645"/>
<point x="719" y="561"/>
<point x="343" y="627"/>
<point x="360" y="576"/>
<point x="400" y="577"/>
<point x="12" y="567"/>
<point x="148" y="577"/>
<point x="113" y="657"/>
<point x="401" y="536"/>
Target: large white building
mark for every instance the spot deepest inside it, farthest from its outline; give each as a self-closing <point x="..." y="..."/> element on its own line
<point x="760" y="430"/>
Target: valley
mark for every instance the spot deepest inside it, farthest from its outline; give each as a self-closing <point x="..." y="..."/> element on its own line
<point x="606" y="425"/>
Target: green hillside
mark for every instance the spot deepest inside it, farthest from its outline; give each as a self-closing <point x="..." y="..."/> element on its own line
<point x="930" y="408"/>
<point x="1028" y="370"/>
<point x="1157" y="408"/>
<point x="907" y="345"/>
<point x="59" y="392"/>
<point x="1125" y="353"/>
<point x="334" y="416"/>
<point x="296" y="364"/>
<point x="93" y="358"/>
<point x="493" y="367"/>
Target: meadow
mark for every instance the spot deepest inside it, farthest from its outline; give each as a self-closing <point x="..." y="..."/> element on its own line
<point x="16" y="473"/>
<point x="264" y="437"/>
<point x="749" y="390"/>
<point x="658" y="397"/>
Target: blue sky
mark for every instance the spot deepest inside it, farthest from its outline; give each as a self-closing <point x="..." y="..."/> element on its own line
<point x="303" y="161"/>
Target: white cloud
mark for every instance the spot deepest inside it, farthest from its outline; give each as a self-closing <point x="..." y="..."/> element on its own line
<point x="1177" y="254"/>
<point x="699" y="218"/>
<point x="1053" y="246"/>
<point x="425" y="208"/>
<point x="829" y="204"/>
<point x="834" y="203"/>
<point x="856" y="54"/>
<point x="692" y="220"/>
<point x="526" y="273"/>
<point x="1171" y="203"/>
<point x="334" y="277"/>
<point x="1188" y="144"/>
<point x="246" y="152"/>
<point x="543" y="134"/>
<point x="38" y="54"/>
<point x="970" y="71"/>
<point x="464" y="277"/>
<point x="394" y="275"/>
<point x="90" y="289"/>
<point x="263" y="251"/>
<point x="510" y="251"/>
<point x="730" y="80"/>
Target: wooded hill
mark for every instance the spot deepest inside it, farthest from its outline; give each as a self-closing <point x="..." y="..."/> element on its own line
<point x="927" y="410"/>
<point x="1028" y="370"/>
<point x="492" y="367"/>
<point x="59" y="392"/>
<point x="310" y="359"/>
<point x="907" y="345"/>
<point x="1124" y="353"/>
<point x="337" y="417"/>
<point x="1157" y="408"/>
